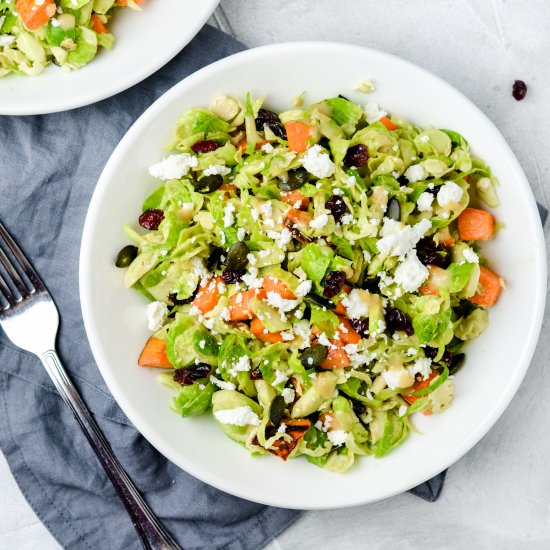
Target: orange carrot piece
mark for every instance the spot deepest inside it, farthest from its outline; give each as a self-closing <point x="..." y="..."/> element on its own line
<point x="489" y="286"/>
<point x="244" y="144"/>
<point x="292" y="197"/>
<point x="33" y="15"/>
<point x="154" y="355"/>
<point x="475" y="225"/>
<point x="299" y="135"/>
<point x="98" y="25"/>
<point x="208" y="295"/>
<point x="299" y="218"/>
<point x="346" y="333"/>
<point x="336" y="358"/>
<point x="124" y="3"/>
<point x="261" y="333"/>
<point x="340" y="309"/>
<point x="275" y="285"/>
<point x="417" y="386"/>
<point x="388" y="123"/>
<point x="296" y="428"/>
<point x="240" y="304"/>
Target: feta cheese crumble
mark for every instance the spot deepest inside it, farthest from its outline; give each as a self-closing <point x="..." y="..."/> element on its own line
<point x="397" y="378"/>
<point x="424" y="202"/>
<point x="373" y="112"/>
<point x="242" y="365"/>
<point x="228" y="217"/>
<point x="221" y="384"/>
<point x="282" y="304"/>
<point x="398" y="239"/>
<point x="411" y="273"/>
<point x="318" y="163"/>
<point x="217" y="170"/>
<point x="356" y="304"/>
<point x="449" y="194"/>
<point x="337" y="437"/>
<point x="288" y="395"/>
<point x="470" y="256"/>
<point x="415" y="172"/>
<point x="303" y="288"/>
<point x="239" y="416"/>
<point x="267" y="148"/>
<point x="156" y="314"/>
<point x="6" y="40"/>
<point x="173" y="166"/>
<point x="422" y="366"/>
<point x="319" y="222"/>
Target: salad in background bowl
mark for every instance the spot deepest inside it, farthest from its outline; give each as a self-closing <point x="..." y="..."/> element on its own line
<point x="313" y="275"/>
<point x="115" y="317"/>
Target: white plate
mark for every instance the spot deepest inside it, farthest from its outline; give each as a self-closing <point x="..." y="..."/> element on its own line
<point x="496" y="362"/>
<point x="144" y="42"/>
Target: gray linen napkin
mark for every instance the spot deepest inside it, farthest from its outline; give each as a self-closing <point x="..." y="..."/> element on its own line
<point x="49" y="167"/>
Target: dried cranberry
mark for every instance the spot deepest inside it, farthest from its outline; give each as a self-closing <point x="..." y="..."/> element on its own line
<point x="337" y="207"/>
<point x="519" y="90"/>
<point x="334" y="282"/>
<point x="430" y="254"/>
<point x="173" y="298"/>
<point x="230" y="277"/>
<point x="264" y="117"/>
<point x="191" y="374"/>
<point x="206" y="146"/>
<point x="150" y="219"/>
<point x="356" y="156"/>
<point x="372" y="285"/>
<point x="403" y="181"/>
<point x="358" y="407"/>
<point x="256" y="374"/>
<point x="360" y="326"/>
<point x="397" y="320"/>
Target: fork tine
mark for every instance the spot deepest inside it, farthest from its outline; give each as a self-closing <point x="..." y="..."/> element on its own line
<point x="13" y="275"/>
<point x="34" y="279"/>
<point x="5" y="293"/>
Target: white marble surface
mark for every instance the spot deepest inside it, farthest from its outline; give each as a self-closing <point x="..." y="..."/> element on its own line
<point x="497" y="496"/>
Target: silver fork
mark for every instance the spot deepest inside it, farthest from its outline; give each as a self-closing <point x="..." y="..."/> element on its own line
<point x="30" y="319"/>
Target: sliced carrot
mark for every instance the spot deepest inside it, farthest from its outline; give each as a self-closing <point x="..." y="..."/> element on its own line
<point x="340" y="309"/>
<point x="299" y="218"/>
<point x="124" y="3"/>
<point x="417" y="386"/>
<point x="436" y="279"/>
<point x="98" y="25"/>
<point x="475" y="225"/>
<point x="336" y="358"/>
<point x="154" y="354"/>
<point x="296" y="428"/>
<point x="489" y="287"/>
<point x="35" y="15"/>
<point x="244" y="144"/>
<point x="346" y="333"/>
<point x="275" y="285"/>
<point x="208" y="295"/>
<point x="240" y="304"/>
<point x="261" y="333"/>
<point x="298" y="135"/>
<point x="292" y="197"/>
<point x="388" y="123"/>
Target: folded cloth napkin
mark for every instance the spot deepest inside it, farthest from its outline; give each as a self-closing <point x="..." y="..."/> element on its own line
<point x="49" y="168"/>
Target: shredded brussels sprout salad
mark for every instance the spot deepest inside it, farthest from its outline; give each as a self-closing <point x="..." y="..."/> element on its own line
<point x="68" y="33"/>
<point x="313" y="275"/>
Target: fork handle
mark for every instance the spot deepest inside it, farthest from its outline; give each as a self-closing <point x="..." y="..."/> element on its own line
<point x="152" y="534"/>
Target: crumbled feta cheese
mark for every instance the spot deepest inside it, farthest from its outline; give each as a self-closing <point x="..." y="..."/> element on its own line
<point x="241" y="234"/>
<point x="282" y="304"/>
<point x="217" y="170"/>
<point x="365" y="87"/>
<point x="350" y="181"/>
<point x="267" y="148"/>
<point x="264" y="253"/>
<point x="281" y="238"/>
<point x="319" y="222"/>
<point x="156" y="314"/>
<point x="415" y="172"/>
<point x="280" y="377"/>
<point x="346" y="219"/>
<point x="221" y="384"/>
<point x="424" y="138"/>
<point x="173" y="166"/>
<point x="337" y="191"/>
<point x="411" y="273"/>
<point x="239" y="416"/>
<point x="251" y="259"/>
<point x="251" y="279"/>
<point x="303" y="288"/>
<point x="397" y="378"/>
<point x="324" y="341"/>
<point x="398" y="239"/>
<point x="337" y="437"/>
<point x="242" y="365"/>
<point x="297" y="205"/>
<point x="288" y="395"/>
<point x="422" y="366"/>
<point x="267" y="209"/>
<point x="287" y="336"/>
<point x="228" y="217"/>
<point x="202" y="344"/>
<point x="373" y="112"/>
<point x="411" y="351"/>
<point x="470" y="256"/>
<point x="225" y="315"/>
<point x="281" y="429"/>
<point x="424" y="202"/>
<point x="449" y="194"/>
<point x="318" y="163"/>
<point x="356" y="304"/>
<point x="302" y="329"/>
<point x="402" y="410"/>
<point x="367" y="255"/>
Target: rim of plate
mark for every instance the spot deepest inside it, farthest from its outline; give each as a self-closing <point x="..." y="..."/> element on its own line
<point x="66" y="104"/>
<point x="86" y="282"/>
